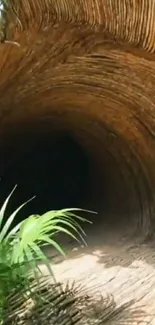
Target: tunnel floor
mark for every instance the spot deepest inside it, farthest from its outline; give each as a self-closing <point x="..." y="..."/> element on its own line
<point x="121" y="270"/>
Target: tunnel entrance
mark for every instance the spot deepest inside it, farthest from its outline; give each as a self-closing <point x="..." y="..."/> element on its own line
<point x="56" y="170"/>
<point x="68" y="162"/>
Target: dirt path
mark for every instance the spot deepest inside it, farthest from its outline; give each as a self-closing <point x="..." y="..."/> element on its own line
<point x="122" y="270"/>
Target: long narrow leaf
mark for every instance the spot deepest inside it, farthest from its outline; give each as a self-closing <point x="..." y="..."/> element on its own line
<point x="39" y="253"/>
<point x="4" y="206"/>
<point x="70" y="224"/>
<point x="11" y="219"/>
<point x="13" y="232"/>
<point x="54" y="244"/>
<point x="61" y="229"/>
<point x="58" y="213"/>
<point x="71" y="221"/>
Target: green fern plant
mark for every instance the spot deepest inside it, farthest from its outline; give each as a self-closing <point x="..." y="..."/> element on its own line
<point x="21" y="245"/>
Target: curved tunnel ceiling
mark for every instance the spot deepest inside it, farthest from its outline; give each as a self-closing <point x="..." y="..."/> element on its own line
<point x="83" y="70"/>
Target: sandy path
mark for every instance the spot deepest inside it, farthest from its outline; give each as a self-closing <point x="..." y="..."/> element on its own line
<point x="120" y="269"/>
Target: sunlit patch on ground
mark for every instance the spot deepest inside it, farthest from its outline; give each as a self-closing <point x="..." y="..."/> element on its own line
<point x="125" y="271"/>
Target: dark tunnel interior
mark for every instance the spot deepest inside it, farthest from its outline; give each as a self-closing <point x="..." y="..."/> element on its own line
<point x="65" y="167"/>
<point x="56" y="170"/>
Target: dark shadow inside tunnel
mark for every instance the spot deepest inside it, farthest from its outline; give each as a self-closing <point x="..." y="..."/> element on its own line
<point x="56" y="170"/>
<point x="65" y="167"/>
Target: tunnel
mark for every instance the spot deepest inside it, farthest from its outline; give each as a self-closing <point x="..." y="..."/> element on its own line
<point x="77" y="111"/>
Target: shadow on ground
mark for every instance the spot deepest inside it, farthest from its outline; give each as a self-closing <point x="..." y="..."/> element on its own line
<point x="68" y="305"/>
<point x="108" y="248"/>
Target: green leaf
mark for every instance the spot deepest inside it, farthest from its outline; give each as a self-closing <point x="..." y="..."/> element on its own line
<point x="4" y="206"/>
<point x="11" y="219"/>
<point x="13" y="232"/>
<point x="20" y="247"/>
<point x="29" y="228"/>
<point x="43" y="257"/>
<point x="54" y="244"/>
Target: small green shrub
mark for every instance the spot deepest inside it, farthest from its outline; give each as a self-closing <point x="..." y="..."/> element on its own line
<point x="21" y="246"/>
